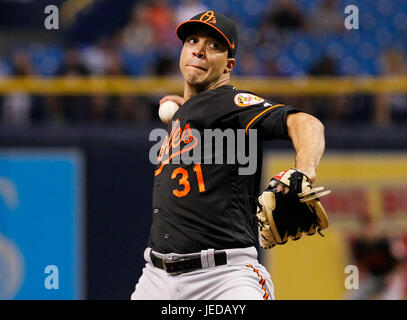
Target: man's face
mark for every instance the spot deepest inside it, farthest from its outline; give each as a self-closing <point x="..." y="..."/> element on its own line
<point x="203" y="60"/>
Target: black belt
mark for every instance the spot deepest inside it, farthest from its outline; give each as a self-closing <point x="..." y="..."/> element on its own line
<point x="177" y="265"/>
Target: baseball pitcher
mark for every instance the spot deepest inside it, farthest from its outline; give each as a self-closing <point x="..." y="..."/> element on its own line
<point x="207" y="215"/>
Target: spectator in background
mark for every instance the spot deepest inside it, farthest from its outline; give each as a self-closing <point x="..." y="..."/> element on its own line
<point x="327" y="108"/>
<point x="326" y="18"/>
<point x="72" y="64"/>
<point x="99" y="104"/>
<point x="380" y="260"/>
<point x="286" y="16"/>
<point x="353" y="108"/>
<point x="325" y="66"/>
<point x="138" y="37"/>
<point x="18" y="107"/>
<point x="74" y="108"/>
<point x="95" y="56"/>
<point x="187" y="9"/>
<point x="129" y="104"/>
<point x="115" y="65"/>
<point x="4" y="70"/>
<point x="138" y="110"/>
<point x="279" y="23"/>
<point x="108" y="108"/>
<point x="161" y="17"/>
<point x="165" y="65"/>
<point x="250" y="65"/>
<point x="392" y="107"/>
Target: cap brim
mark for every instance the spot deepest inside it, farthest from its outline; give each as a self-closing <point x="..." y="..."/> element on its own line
<point x="182" y="30"/>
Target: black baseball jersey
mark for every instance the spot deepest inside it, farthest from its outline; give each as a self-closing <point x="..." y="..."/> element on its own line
<point x="207" y="203"/>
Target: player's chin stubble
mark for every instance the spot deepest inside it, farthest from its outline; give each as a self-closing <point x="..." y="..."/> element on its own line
<point x="194" y="79"/>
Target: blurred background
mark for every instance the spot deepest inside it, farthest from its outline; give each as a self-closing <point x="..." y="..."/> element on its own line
<point x="77" y="104"/>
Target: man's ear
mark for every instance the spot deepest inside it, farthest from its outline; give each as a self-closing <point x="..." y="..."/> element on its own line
<point x="230" y="64"/>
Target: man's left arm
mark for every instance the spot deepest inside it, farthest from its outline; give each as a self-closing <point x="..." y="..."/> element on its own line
<point x="280" y="216"/>
<point x="308" y="137"/>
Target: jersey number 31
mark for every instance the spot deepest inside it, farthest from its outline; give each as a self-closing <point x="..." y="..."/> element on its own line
<point x="185" y="182"/>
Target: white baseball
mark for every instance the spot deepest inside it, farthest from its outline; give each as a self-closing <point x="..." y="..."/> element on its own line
<point x="167" y="110"/>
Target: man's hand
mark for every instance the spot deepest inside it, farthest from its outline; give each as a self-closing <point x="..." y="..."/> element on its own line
<point x="177" y="99"/>
<point x="282" y="216"/>
<point x="310" y="173"/>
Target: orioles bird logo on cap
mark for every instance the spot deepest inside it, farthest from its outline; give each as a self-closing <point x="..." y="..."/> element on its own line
<point x="208" y="16"/>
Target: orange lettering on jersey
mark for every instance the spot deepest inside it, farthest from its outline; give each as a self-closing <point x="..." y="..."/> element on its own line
<point x="176" y="136"/>
<point x="208" y="16"/>
<point x="187" y="134"/>
<point x="161" y="153"/>
<point x="199" y="177"/>
<point x="168" y="142"/>
<point x="182" y="181"/>
<point x="172" y="133"/>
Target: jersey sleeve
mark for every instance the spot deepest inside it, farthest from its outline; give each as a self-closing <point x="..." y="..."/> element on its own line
<point x="273" y="123"/>
<point x="244" y="110"/>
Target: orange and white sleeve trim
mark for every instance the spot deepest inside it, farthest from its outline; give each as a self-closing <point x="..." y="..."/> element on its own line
<point x="260" y="114"/>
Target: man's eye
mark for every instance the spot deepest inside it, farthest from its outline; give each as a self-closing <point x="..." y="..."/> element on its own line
<point x="214" y="45"/>
<point x="192" y="40"/>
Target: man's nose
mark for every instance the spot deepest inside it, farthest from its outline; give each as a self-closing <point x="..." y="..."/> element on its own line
<point x="199" y="51"/>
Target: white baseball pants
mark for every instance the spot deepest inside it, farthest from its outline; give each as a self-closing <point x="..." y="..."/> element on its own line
<point x="243" y="278"/>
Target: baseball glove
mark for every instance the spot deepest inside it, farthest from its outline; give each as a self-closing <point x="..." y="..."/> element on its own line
<point x="283" y="216"/>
